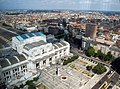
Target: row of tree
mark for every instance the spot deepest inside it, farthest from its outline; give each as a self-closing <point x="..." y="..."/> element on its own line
<point x="69" y="60"/>
<point x="98" y="69"/>
<point x="106" y="57"/>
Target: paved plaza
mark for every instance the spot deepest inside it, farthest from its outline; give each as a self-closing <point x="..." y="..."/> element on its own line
<point x="71" y="76"/>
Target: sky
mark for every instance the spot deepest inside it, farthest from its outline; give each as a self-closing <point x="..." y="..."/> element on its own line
<point x="103" y="5"/>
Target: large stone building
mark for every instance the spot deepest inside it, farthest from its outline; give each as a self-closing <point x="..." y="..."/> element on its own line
<point x="34" y="53"/>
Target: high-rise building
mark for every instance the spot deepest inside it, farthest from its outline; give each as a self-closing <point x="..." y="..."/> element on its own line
<point x="91" y="30"/>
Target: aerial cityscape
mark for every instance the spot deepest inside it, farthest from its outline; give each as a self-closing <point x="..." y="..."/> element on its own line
<point x="66" y="44"/>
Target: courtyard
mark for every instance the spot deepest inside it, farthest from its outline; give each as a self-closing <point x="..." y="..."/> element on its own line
<point x="71" y="76"/>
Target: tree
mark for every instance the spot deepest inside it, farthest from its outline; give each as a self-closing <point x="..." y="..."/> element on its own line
<point x="32" y="86"/>
<point x="35" y="79"/>
<point x="16" y="87"/>
<point x="100" y="55"/>
<point x="69" y="60"/>
<point x="108" y="57"/>
<point x="21" y="86"/>
<point x="90" y="52"/>
<point x="99" y="69"/>
<point x="88" y="68"/>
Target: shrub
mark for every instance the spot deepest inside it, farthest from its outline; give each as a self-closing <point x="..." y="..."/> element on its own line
<point x="32" y="86"/>
<point x="35" y="79"/>
<point x="69" y="60"/>
<point x="88" y="68"/>
<point x="16" y="87"/>
<point x="21" y="86"/>
<point x="29" y="82"/>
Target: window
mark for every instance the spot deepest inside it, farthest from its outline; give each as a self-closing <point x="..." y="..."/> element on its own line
<point x="21" y="67"/>
<point x="7" y="77"/>
<point x="50" y="59"/>
<point x="24" y="70"/>
<point x="44" y="62"/>
<point x="37" y="65"/>
<point x="55" y="53"/>
<point x="60" y="51"/>
<point x="6" y="73"/>
<point x="15" y="69"/>
<point x="15" y="73"/>
<point x="43" y="51"/>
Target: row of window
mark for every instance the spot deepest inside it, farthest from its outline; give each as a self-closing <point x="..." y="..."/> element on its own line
<point x="8" y="77"/>
<point x="15" y="71"/>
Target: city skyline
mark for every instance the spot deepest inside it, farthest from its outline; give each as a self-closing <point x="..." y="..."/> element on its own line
<point x="103" y="5"/>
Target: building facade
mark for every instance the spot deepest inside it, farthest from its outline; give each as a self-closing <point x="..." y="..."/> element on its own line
<point x="34" y="53"/>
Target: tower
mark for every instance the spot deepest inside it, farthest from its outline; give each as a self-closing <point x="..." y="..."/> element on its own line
<point x="91" y="30"/>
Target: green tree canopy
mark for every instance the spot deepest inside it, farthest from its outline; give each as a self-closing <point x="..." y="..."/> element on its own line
<point x="90" y="52"/>
<point x="109" y="57"/>
<point x="99" y="69"/>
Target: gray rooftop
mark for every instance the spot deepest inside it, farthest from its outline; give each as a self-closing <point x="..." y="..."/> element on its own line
<point x="63" y="43"/>
<point x="4" y="63"/>
<point x="21" y="57"/>
<point x="55" y="47"/>
<point x="13" y="60"/>
<point x="34" y="44"/>
<point x="115" y="48"/>
<point x="59" y="45"/>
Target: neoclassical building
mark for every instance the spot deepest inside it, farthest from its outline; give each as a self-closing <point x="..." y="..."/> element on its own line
<point x="35" y="52"/>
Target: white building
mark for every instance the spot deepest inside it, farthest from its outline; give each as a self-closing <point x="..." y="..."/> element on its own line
<point x="34" y="53"/>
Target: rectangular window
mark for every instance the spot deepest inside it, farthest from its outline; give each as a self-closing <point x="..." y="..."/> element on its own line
<point x="43" y="51"/>
<point x="50" y="59"/>
<point x="44" y="62"/>
<point x="24" y="70"/>
<point x="15" y="69"/>
<point x="6" y="73"/>
<point x="7" y="77"/>
<point x="37" y="65"/>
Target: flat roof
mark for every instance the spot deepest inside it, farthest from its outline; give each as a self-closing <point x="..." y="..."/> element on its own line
<point x="4" y="63"/>
<point x="28" y="35"/>
<point x="34" y="44"/>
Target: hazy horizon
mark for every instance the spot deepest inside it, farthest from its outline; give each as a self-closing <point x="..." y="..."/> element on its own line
<point x="98" y="5"/>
